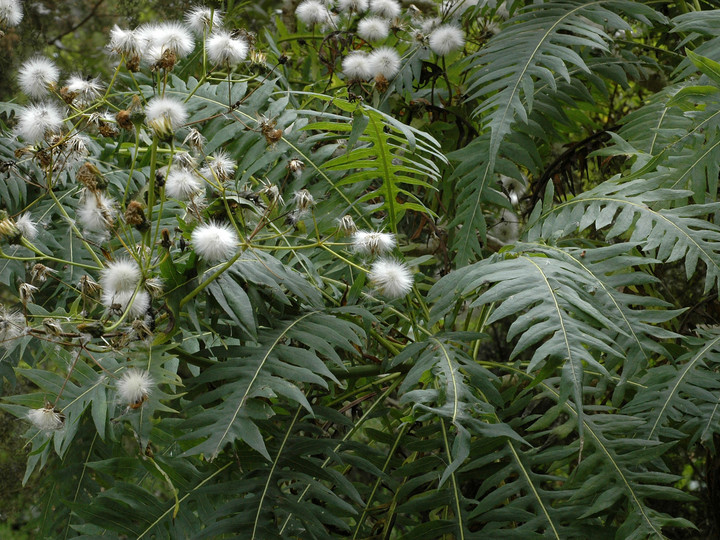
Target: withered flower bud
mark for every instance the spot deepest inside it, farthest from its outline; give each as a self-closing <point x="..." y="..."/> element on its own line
<point x="135" y="216"/>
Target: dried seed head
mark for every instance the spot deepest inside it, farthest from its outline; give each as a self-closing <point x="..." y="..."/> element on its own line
<point x="27" y="226"/>
<point x="154" y="286"/>
<point x="391" y="278"/>
<point x="272" y="192"/>
<point x="91" y="177"/>
<point x="214" y="242"/>
<point x="88" y="285"/>
<point x="195" y="140"/>
<point x="40" y="272"/>
<point x="52" y="327"/>
<point x="26" y="291"/>
<point x="296" y="166"/>
<point x="346" y="224"/>
<point x="135" y="216"/>
<point x="303" y="199"/>
<point x="8" y="229"/>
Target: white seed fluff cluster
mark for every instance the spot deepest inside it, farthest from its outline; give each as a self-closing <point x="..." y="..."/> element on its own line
<point x="356" y="66"/>
<point x="356" y="6"/>
<point x="37" y="76"/>
<point x="164" y="37"/>
<point x="27" y="226"/>
<point x="96" y="212"/>
<point x="222" y="48"/>
<point x="373" y="242"/>
<point x="220" y="166"/>
<point x="120" y="275"/>
<point x="35" y="122"/>
<point x="12" y="326"/>
<point x="446" y="38"/>
<point x="385" y="61"/>
<point x="214" y="242"/>
<point x="202" y="19"/>
<point x="134" y="387"/>
<point x="46" y="419"/>
<point x="119" y="281"/>
<point x="165" y="115"/>
<point x="312" y="12"/>
<point x="373" y="29"/>
<point x="87" y="90"/>
<point x="391" y="278"/>
<point x="390" y="9"/>
<point x="182" y="183"/>
<point x="10" y="13"/>
<point x="125" y="42"/>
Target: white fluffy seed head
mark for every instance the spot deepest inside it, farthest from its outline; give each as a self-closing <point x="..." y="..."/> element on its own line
<point x="27" y="226"/>
<point x="446" y="38"/>
<point x="220" y="166"/>
<point x="96" y="212"/>
<point x="507" y="229"/>
<point x="373" y="29"/>
<point x="384" y="61"/>
<point x="312" y="12"/>
<point x="37" y="121"/>
<point x="37" y="76"/>
<point x="134" y="387"/>
<point x="46" y="419"/>
<point x="136" y="305"/>
<point x="10" y="13"/>
<point x="353" y="6"/>
<point x="170" y="36"/>
<point x="222" y="48"/>
<point x="391" y="278"/>
<point x="389" y="9"/>
<point x="86" y="90"/>
<point x="182" y="183"/>
<point x="165" y="115"/>
<point x="202" y="19"/>
<point x="12" y="326"/>
<point x="357" y="67"/>
<point x="214" y="242"/>
<point x="120" y="276"/>
<point x="373" y="242"/>
<point x="125" y="42"/>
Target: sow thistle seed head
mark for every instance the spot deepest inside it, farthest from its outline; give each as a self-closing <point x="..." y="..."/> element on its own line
<point x="220" y="166"/>
<point x="47" y="418"/>
<point x="373" y="29"/>
<point x="303" y="199"/>
<point x="446" y="38"/>
<point x="38" y="76"/>
<point x="118" y="302"/>
<point x="312" y="12"/>
<point x="38" y="121"/>
<point x="390" y="9"/>
<point x="165" y="116"/>
<point x="202" y="19"/>
<point x="385" y="62"/>
<point x="224" y="49"/>
<point x="10" y="13"/>
<point x="134" y="387"/>
<point x="373" y="242"/>
<point x="353" y="6"/>
<point x="357" y="67"/>
<point x="81" y="92"/>
<point x="12" y="326"/>
<point x="26" y="226"/>
<point x="214" y="242"/>
<point x="97" y="212"/>
<point x="120" y="275"/>
<point x="182" y="183"/>
<point x="391" y="278"/>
